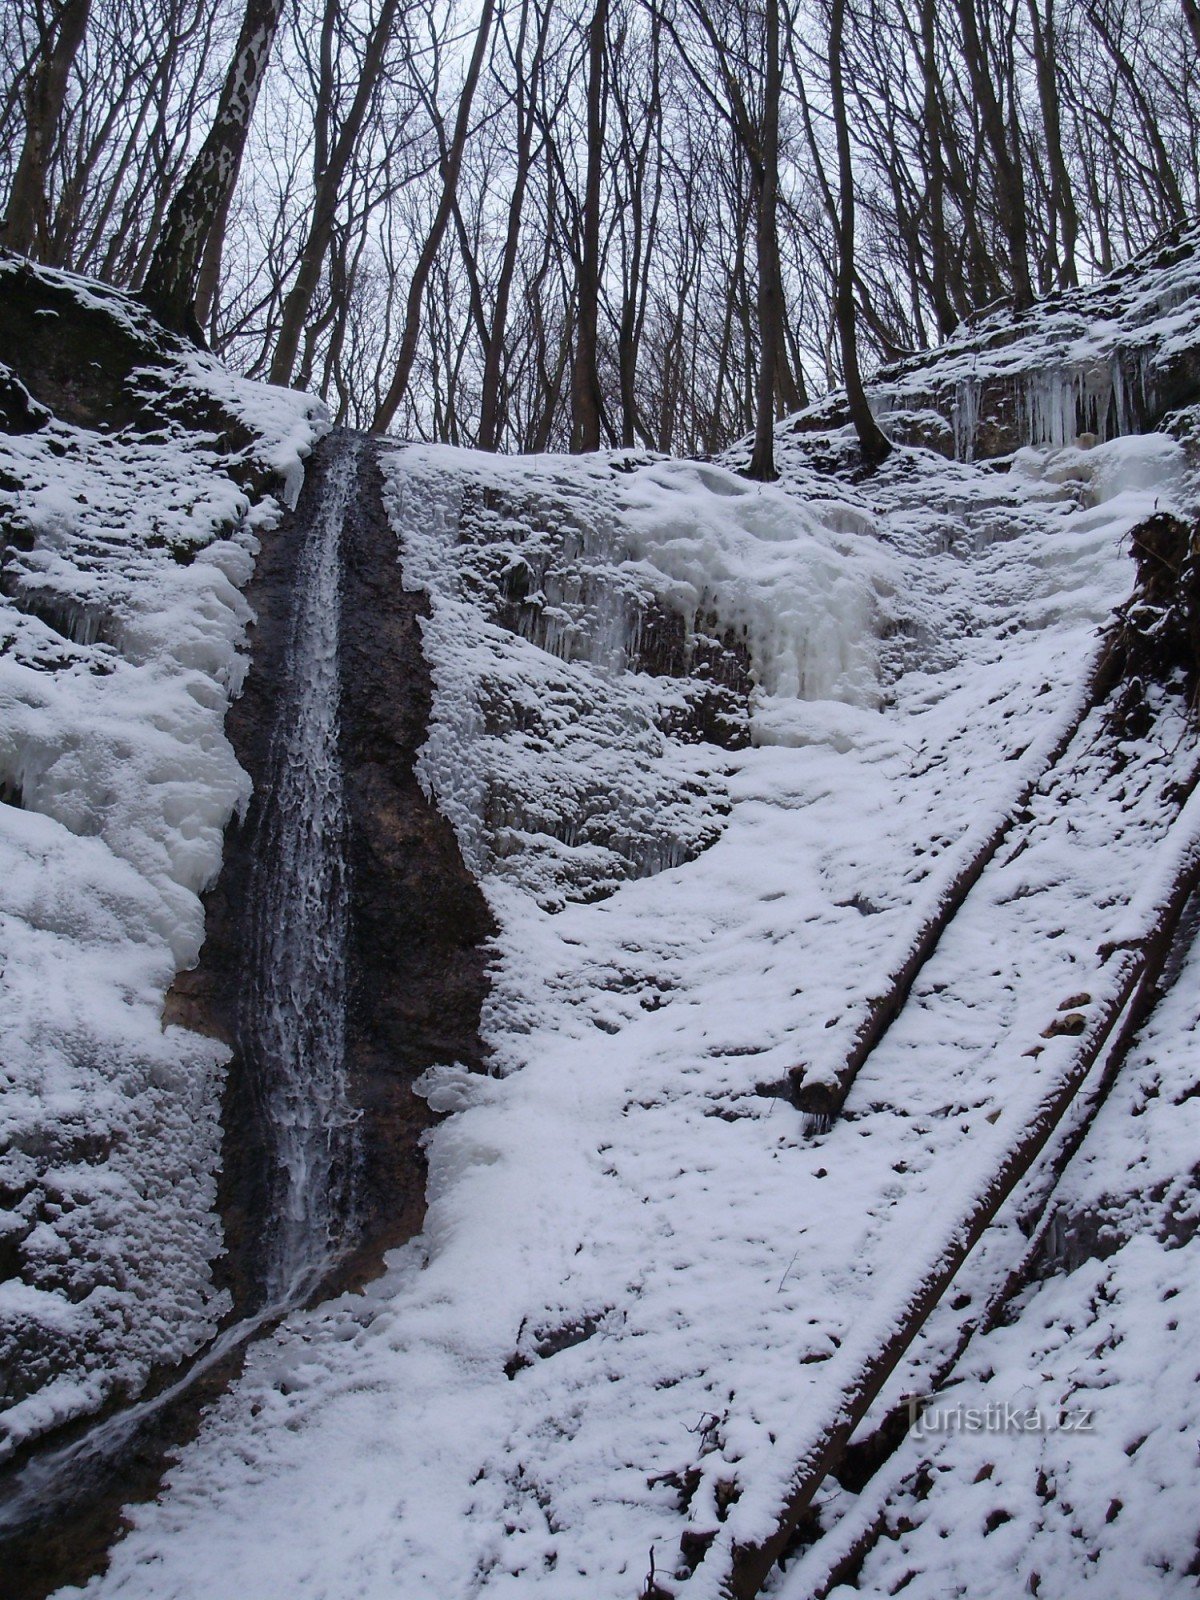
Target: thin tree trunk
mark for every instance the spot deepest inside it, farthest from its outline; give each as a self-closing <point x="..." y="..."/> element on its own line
<point x="209" y="277"/>
<point x="327" y="193"/>
<point x="24" y="226"/>
<point x="873" y="443"/>
<point x="1062" y="199"/>
<point x="1010" y="188"/>
<point x="770" y="289"/>
<point x="172" y="278"/>
<point x="386" y="411"/>
<point x="489" y="398"/>
<point x="585" y="373"/>
<point x="1168" y="183"/>
<point x="947" y="317"/>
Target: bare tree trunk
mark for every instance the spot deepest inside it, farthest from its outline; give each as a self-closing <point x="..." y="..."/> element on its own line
<point x="585" y="372"/>
<point x="770" y="288"/>
<point x="873" y="443"/>
<point x="326" y="195"/>
<point x="1191" y="12"/>
<point x="489" y="398"/>
<point x="171" y="281"/>
<point x="209" y="277"/>
<point x="24" y="226"/>
<point x="939" y="264"/>
<point x="386" y="411"/>
<point x="642" y="242"/>
<point x="1164" y="172"/>
<point x="1062" y="201"/>
<point x="1010" y="188"/>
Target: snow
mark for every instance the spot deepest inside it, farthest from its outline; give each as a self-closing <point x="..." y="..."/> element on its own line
<point x="644" y="1282"/>
<point x="1106" y="1511"/>
<point x="1097" y="363"/>
<point x="639" y="1271"/>
<point x="124" y="635"/>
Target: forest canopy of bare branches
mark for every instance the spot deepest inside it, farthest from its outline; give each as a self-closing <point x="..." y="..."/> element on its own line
<point x="531" y="224"/>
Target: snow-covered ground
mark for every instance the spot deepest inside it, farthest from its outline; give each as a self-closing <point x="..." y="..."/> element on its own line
<point x="122" y="642"/>
<point x="643" y="1276"/>
<point x="640" y="1270"/>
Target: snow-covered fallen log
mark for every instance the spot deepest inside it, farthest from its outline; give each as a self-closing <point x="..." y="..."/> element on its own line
<point x="820" y="1088"/>
<point x="752" y="1539"/>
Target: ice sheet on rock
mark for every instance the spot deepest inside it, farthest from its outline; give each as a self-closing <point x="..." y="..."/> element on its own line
<point x="122" y="641"/>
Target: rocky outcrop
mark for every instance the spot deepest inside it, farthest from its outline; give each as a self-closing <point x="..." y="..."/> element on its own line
<point x="1115" y="357"/>
<point x="418" y="922"/>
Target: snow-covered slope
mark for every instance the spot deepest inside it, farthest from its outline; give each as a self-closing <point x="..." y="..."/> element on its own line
<point x="129" y="524"/>
<point x="643" y="1275"/>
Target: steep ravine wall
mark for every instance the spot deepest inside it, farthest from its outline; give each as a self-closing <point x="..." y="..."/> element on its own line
<point x="417" y="960"/>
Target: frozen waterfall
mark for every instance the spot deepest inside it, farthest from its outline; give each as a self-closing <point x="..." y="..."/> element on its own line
<point x="293" y="1022"/>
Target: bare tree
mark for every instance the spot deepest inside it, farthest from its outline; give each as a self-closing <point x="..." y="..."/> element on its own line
<point x="24" y="226"/>
<point x="169" y="287"/>
<point x="450" y="169"/>
<point x="585" y="374"/>
<point x="330" y="164"/>
<point x="874" y="445"/>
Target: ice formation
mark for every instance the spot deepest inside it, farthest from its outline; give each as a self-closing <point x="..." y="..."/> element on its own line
<point x="1104" y="361"/>
<point x="294" y="1005"/>
<point x="123" y="631"/>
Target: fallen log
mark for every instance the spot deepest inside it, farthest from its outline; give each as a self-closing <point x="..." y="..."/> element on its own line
<point x="837" y="1556"/>
<point x="821" y="1091"/>
<point x="755" y="1535"/>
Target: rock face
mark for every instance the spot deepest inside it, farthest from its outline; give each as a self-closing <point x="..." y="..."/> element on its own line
<point x="1110" y="359"/>
<point x="96" y="359"/>
<point x="419" y="923"/>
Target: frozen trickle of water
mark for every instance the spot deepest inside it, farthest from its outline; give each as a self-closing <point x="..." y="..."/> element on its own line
<point x="965" y="417"/>
<point x="1050" y="407"/>
<point x="294" y="1014"/>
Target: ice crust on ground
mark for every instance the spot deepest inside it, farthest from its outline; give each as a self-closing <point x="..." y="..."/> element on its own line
<point x="638" y="1267"/>
<point x="122" y="642"/>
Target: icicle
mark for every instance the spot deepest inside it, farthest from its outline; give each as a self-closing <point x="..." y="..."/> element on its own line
<point x="1120" y="395"/>
<point x="965" y="418"/>
<point x="1049" y="406"/>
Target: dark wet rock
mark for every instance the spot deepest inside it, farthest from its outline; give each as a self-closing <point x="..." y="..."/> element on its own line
<point x="19" y="411"/>
<point x="95" y="358"/>
<point x="419" y="923"/>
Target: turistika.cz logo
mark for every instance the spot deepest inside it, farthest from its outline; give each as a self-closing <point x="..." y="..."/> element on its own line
<point x="926" y="1416"/>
